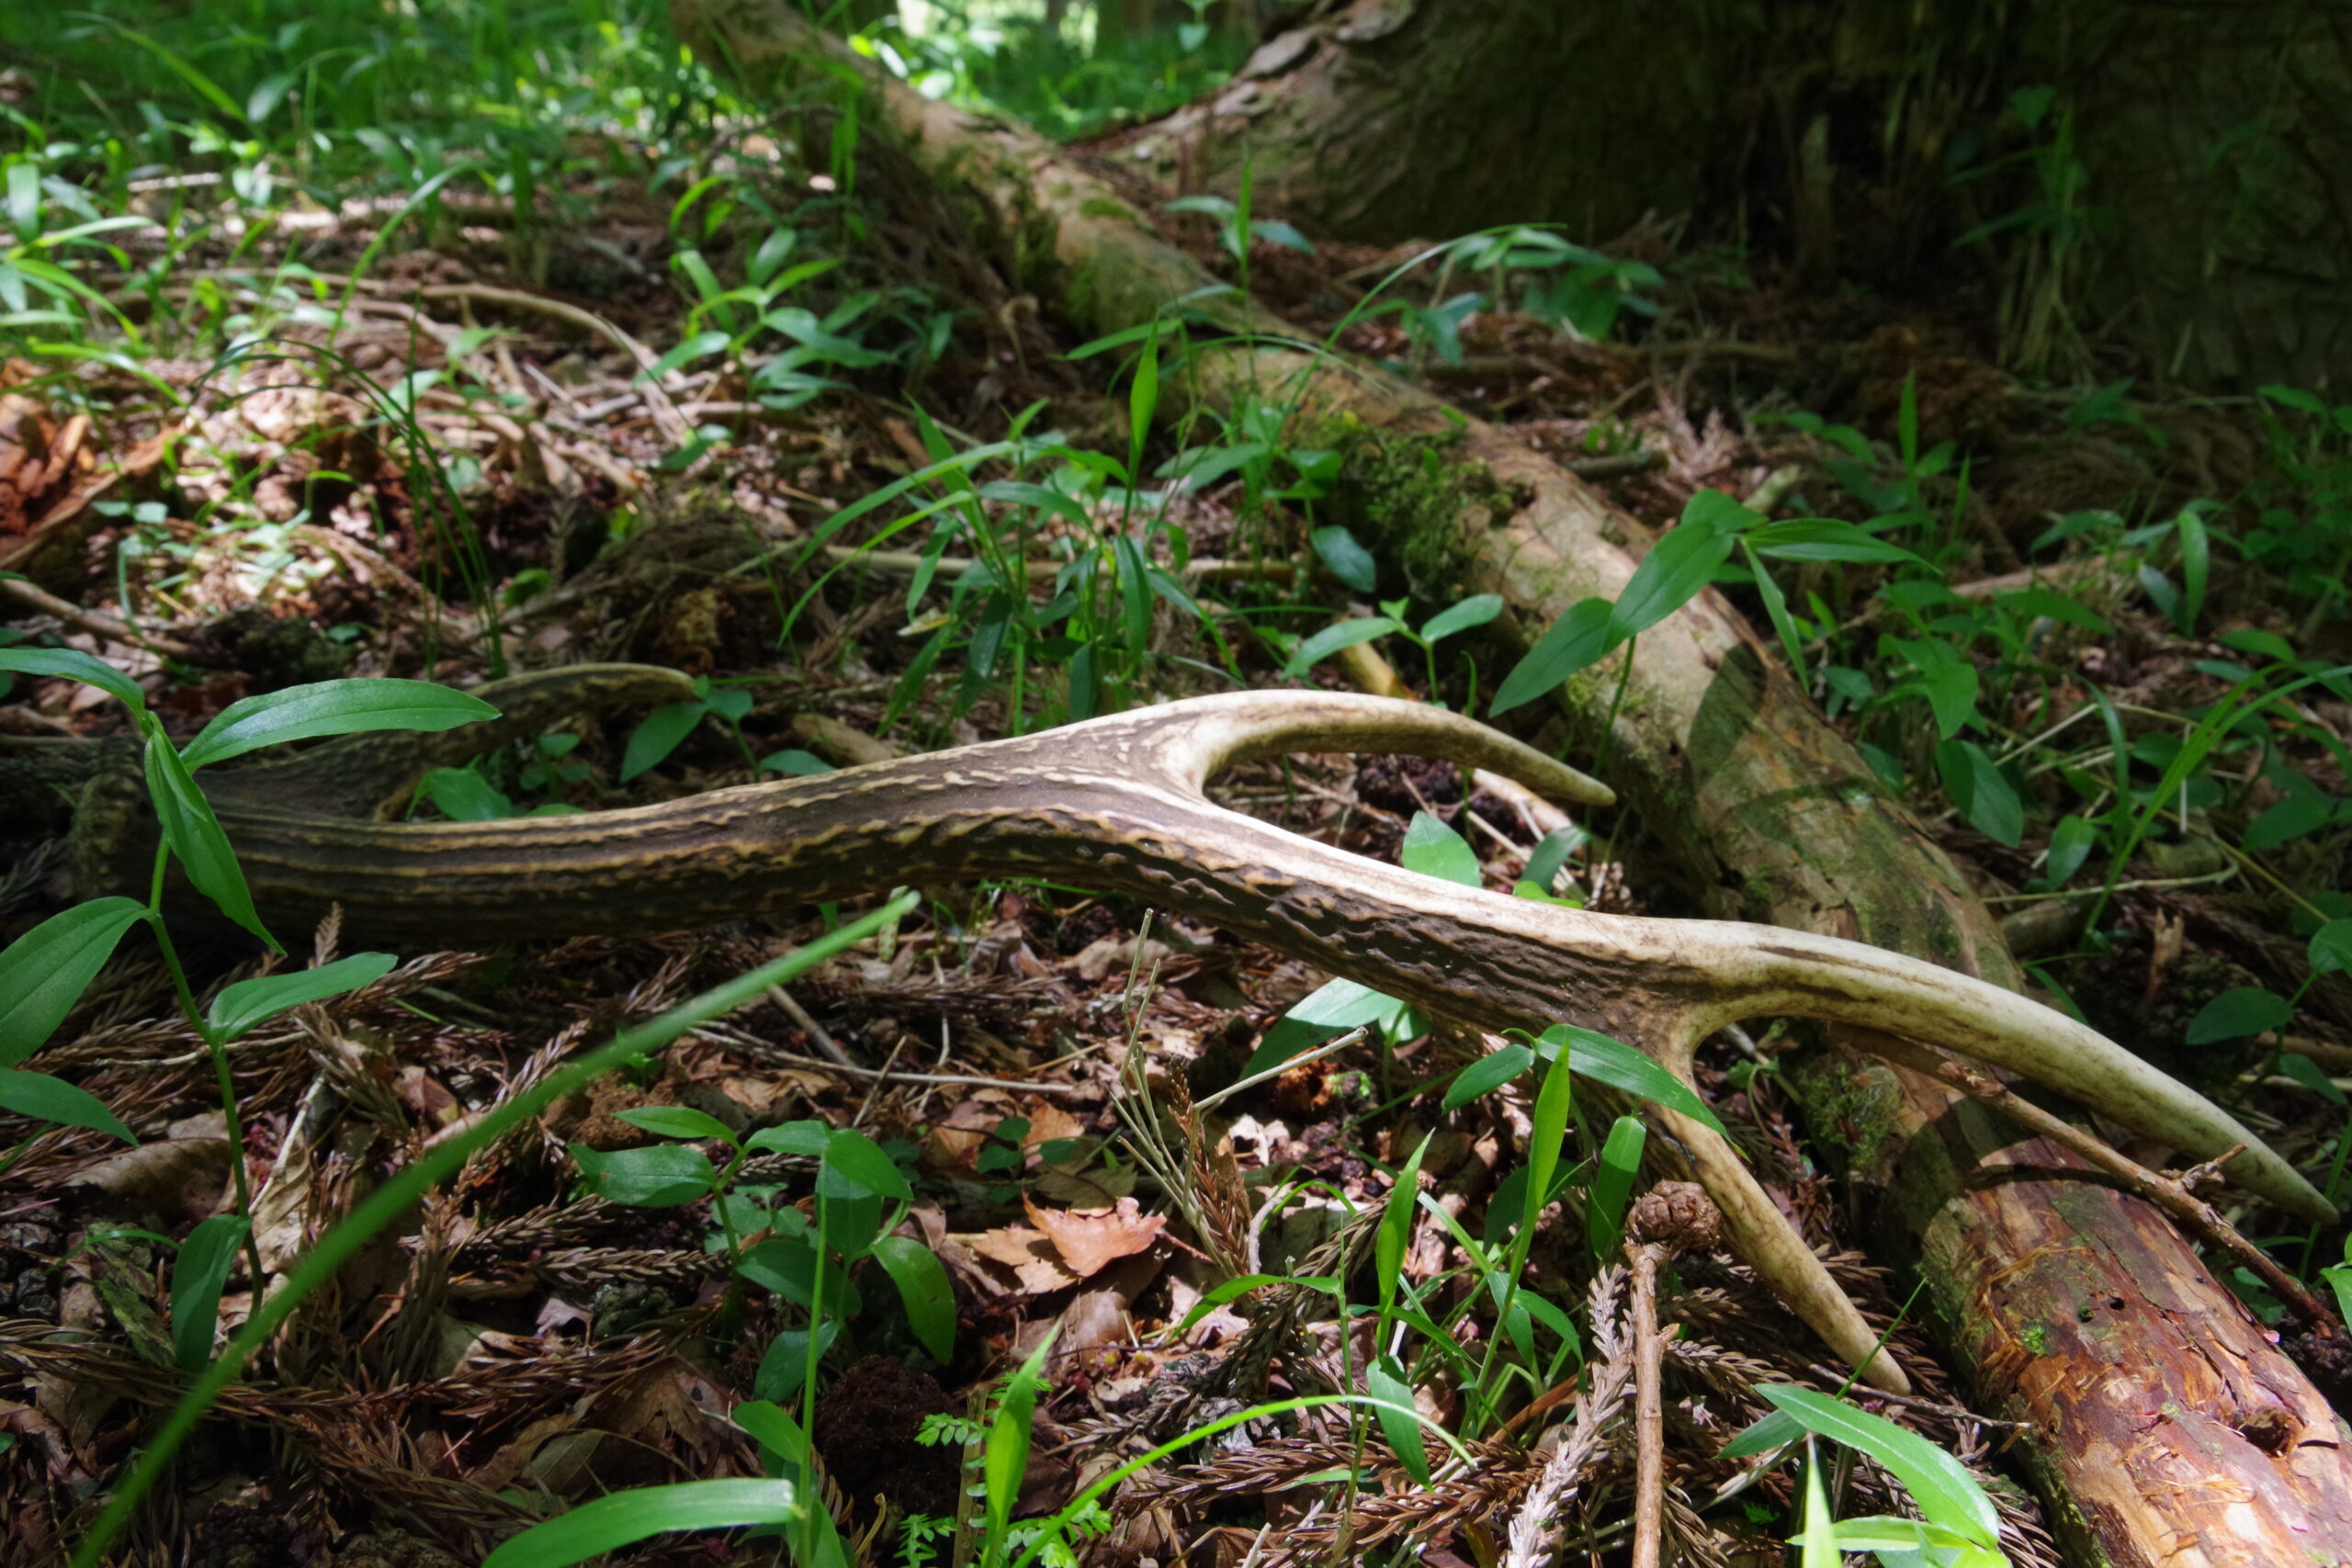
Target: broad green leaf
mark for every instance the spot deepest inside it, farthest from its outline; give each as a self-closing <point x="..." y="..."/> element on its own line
<point x="701" y="345"/>
<point x="1939" y="1484"/>
<point x="1394" y="1236"/>
<point x="1946" y="677"/>
<point x="1474" y="611"/>
<point x="659" y="735"/>
<point x="1234" y="1289"/>
<point x="1348" y="559"/>
<point x="1432" y="849"/>
<point x="198" y="1275"/>
<point x="679" y="1121"/>
<point x="44" y="972"/>
<point x="795" y="761"/>
<point x="1825" y="539"/>
<point x="69" y="664"/>
<point x="2071" y="842"/>
<point x="1763" y="1435"/>
<point x="46" y="1099"/>
<point x="331" y="707"/>
<point x="1330" y="639"/>
<point x="2339" y="1277"/>
<point x="1816" y="1541"/>
<point x="1544" y="862"/>
<point x="1618" y="1065"/>
<point x="1724" y="514"/>
<point x="1613" y="1185"/>
<point x="2053" y="605"/>
<point x="1004" y="1458"/>
<point x="923" y="1290"/>
<point x="1554" y="1107"/>
<point x="1578" y="640"/>
<point x="1399" y="1423"/>
<point x="804" y="1137"/>
<point x="2313" y="1077"/>
<point x="626" y="1517"/>
<point x="1776" y="610"/>
<point x="2330" y="949"/>
<point x="464" y="795"/>
<point x="2195" y="564"/>
<point x="1488" y="1074"/>
<point x="2258" y="644"/>
<point x="1677" y="569"/>
<point x="853" y="1156"/>
<point x="1982" y="791"/>
<point x="246" y="1005"/>
<point x="784" y="1368"/>
<point x="2239" y="1011"/>
<point x="1332" y="1010"/>
<point x="659" y="1176"/>
<point x="195" y="835"/>
<point x="787" y="1266"/>
<point x="1143" y="402"/>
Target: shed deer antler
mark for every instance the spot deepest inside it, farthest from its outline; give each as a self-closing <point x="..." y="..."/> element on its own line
<point x="1116" y="805"/>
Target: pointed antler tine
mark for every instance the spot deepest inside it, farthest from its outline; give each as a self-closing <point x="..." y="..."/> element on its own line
<point x="1767" y="1243"/>
<point x="1211" y="733"/>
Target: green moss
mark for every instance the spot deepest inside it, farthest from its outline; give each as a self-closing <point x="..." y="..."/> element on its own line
<point x="1105" y="206"/>
<point x="2036" y="1339"/>
<point x="1851" y="1113"/>
<point x="1417" y="498"/>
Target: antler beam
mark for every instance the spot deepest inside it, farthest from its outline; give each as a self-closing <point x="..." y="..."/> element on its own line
<point x="1117" y="805"/>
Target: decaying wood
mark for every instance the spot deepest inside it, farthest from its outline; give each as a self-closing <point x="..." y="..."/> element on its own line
<point x="2163" y="1425"/>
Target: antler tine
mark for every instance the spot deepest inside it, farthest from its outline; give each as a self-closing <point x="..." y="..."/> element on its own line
<point x="1197" y="738"/>
<point x="1771" y="970"/>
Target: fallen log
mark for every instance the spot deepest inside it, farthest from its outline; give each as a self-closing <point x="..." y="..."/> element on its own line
<point x="2161" y="1424"/>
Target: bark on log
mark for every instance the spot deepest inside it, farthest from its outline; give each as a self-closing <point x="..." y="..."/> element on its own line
<point x="2164" y="1426"/>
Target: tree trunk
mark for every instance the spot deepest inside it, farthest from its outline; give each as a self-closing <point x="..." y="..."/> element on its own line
<point x="2161" y="1422"/>
<point x="2186" y="185"/>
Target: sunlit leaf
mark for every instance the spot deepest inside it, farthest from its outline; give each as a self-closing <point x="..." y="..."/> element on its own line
<point x="250" y="1003"/>
<point x="610" y="1523"/>
<point x="46" y="1099"/>
<point x="331" y="707"/>
<point x="2239" y="1011"/>
<point x="44" y="972"/>
<point x="198" y="1275"/>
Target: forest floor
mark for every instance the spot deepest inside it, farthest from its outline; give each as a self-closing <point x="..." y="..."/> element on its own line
<point x="424" y="441"/>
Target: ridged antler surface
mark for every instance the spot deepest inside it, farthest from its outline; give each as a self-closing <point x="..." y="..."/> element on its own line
<point x="1117" y="805"/>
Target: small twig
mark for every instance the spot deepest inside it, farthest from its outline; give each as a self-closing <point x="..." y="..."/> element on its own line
<point x="97" y="623"/>
<point x="1649" y="1407"/>
<point x="816" y="1031"/>
<point x="1671" y="1217"/>
<point x="1352" y="1037"/>
<point x="961" y="1080"/>
<point x="2175" y="1196"/>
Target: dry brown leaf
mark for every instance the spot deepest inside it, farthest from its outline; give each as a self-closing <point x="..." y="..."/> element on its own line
<point x="1089" y="1241"/>
<point x="1048" y="1121"/>
<point x="1031" y="1254"/>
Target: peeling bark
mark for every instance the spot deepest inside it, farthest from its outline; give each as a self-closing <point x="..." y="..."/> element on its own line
<point x="2164" y="1426"/>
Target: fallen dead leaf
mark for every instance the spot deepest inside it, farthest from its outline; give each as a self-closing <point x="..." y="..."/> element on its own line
<point x="1030" y="1254"/>
<point x="1089" y="1241"/>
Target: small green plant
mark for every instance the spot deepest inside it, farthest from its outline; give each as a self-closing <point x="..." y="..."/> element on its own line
<point x="803" y="1261"/>
<point x="1460" y="616"/>
<point x="1959" y="1526"/>
<point x="44" y="973"/>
